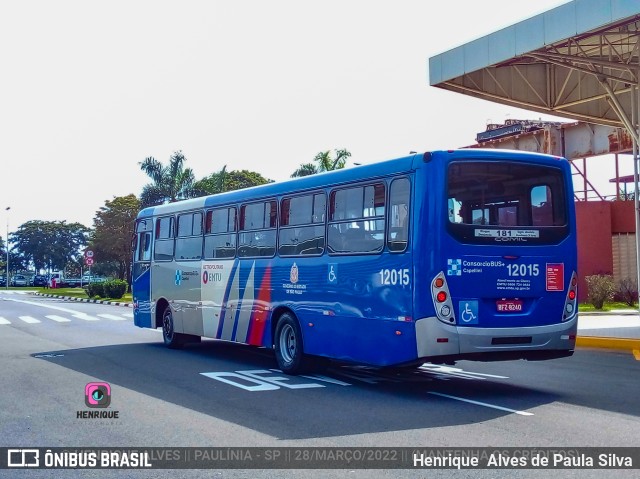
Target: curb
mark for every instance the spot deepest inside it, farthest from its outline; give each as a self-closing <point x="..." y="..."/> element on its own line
<point x="608" y="343"/>
<point x="85" y="300"/>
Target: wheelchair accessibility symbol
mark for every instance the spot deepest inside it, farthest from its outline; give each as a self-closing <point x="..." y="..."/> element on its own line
<point x="332" y="273"/>
<point x="468" y="311"/>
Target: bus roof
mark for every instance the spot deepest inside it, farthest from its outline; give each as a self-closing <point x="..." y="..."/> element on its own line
<point x="294" y="185"/>
<point x="335" y="177"/>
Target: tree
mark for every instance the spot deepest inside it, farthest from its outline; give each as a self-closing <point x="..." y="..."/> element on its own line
<point x="323" y="162"/>
<point x="170" y="183"/>
<point x="49" y="244"/>
<point x="230" y="181"/>
<point x="212" y="184"/>
<point x="305" y="169"/>
<point x="240" y="179"/>
<point x="3" y="257"/>
<point x="17" y="260"/>
<point x="113" y="230"/>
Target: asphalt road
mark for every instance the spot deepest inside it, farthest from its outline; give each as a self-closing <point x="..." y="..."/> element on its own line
<point x="219" y="394"/>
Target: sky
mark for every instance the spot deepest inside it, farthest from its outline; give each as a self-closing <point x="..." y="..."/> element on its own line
<point x="89" y="89"/>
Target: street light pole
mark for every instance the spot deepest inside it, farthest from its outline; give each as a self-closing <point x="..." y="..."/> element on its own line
<point x="6" y="283"/>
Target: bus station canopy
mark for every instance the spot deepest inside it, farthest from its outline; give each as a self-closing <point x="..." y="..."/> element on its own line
<point x="578" y="60"/>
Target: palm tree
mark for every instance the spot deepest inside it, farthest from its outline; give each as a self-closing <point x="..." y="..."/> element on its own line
<point x="324" y="163"/>
<point x="305" y="169"/>
<point x="170" y="183"/>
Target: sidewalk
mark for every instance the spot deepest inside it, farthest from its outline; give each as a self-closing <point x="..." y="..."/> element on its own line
<point x="611" y="330"/>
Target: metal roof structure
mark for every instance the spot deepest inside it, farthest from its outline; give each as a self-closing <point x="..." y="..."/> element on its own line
<point x="579" y="60"/>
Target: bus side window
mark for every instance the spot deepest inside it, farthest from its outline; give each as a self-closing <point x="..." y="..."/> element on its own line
<point x="364" y="213"/>
<point x="220" y="233"/>
<point x="145" y="247"/>
<point x="163" y="248"/>
<point x="141" y="241"/>
<point x="301" y="230"/>
<point x="258" y="229"/>
<point x="189" y="239"/>
<point x="398" y="233"/>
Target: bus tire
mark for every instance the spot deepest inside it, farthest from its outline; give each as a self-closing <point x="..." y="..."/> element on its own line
<point x="288" y="345"/>
<point x="172" y="340"/>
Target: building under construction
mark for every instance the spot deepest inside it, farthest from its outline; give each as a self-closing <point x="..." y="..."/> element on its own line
<point x="606" y="225"/>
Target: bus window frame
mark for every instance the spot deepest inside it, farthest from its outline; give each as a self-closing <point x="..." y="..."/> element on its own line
<point x="303" y="226"/>
<point x="361" y="220"/>
<point x="209" y="234"/>
<point x="405" y="228"/>
<point x="186" y="238"/>
<point x="273" y="215"/>
<point x="171" y="238"/>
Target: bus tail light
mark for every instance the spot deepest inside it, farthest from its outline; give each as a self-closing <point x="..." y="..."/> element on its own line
<point x="442" y="299"/>
<point x="571" y="303"/>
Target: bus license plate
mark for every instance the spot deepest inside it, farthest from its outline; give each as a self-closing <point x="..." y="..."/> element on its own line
<point x="509" y="305"/>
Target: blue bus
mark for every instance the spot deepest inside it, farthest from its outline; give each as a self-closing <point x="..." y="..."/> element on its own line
<point x="435" y="257"/>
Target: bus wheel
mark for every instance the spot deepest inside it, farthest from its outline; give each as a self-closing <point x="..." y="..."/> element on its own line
<point x="172" y="339"/>
<point x="288" y="345"/>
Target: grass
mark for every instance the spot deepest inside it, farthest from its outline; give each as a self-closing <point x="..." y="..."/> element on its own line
<point x="588" y="308"/>
<point x="75" y="293"/>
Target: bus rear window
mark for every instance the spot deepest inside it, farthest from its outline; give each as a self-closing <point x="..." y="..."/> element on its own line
<point x="505" y="195"/>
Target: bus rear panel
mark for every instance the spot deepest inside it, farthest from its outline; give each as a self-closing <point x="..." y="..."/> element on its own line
<point x="504" y="284"/>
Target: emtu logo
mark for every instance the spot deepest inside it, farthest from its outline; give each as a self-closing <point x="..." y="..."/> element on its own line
<point x="178" y="277"/>
<point x="97" y="395"/>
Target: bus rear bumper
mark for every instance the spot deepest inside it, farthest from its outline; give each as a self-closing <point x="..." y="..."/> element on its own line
<point x="437" y="341"/>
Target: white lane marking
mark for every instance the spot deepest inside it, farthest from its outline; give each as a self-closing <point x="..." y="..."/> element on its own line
<point x="85" y="316"/>
<point x="442" y="369"/>
<point x="113" y="317"/>
<point x="128" y="315"/>
<point x="29" y="319"/>
<point x="59" y="319"/>
<point x="4" y="321"/>
<point x="73" y="312"/>
<point x="478" y="403"/>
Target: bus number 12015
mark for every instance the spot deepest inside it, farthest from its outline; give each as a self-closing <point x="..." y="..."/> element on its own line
<point x="523" y="269"/>
<point x="394" y="277"/>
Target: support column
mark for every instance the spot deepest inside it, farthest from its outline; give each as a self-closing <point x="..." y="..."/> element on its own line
<point x="634" y="121"/>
